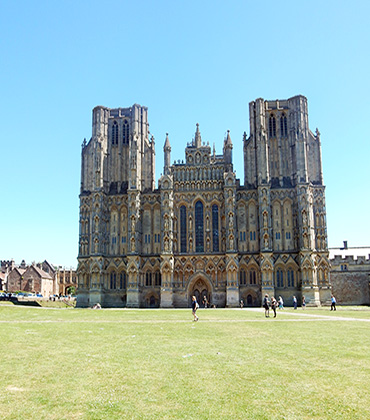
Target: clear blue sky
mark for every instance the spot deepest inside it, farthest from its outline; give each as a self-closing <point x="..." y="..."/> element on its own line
<point x="188" y="62"/>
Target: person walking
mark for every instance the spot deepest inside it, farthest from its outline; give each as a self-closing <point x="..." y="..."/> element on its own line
<point x="266" y="305"/>
<point x="281" y="303"/>
<point x="303" y="302"/>
<point x="194" y="307"/>
<point x="294" y="302"/>
<point x="273" y="305"/>
<point x="333" y="303"/>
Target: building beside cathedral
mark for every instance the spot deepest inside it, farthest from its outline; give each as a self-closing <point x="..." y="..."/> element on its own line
<point x="201" y="232"/>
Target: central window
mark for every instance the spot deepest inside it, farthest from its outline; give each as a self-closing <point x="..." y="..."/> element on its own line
<point x="215" y="234"/>
<point x="183" y="238"/>
<point x="199" y="227"/>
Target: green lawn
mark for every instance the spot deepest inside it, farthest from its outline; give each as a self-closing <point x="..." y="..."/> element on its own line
<point x="158" y="364"/>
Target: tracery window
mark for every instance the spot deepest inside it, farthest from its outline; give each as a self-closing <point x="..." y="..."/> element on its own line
<point x="148" y="278"/>
<point x="122" y="280"/>
<point x="113" y="280"/>
<point x="125" y="132"/>
<point x="157" y="278"/>
<point x="199" y="227"/>
<point x="215" y="232"/>
<point x="272" y="126"/>
<point x="115" y="133"/>
<point x="283" y="126"/>
<point x="242" y="276"/>
<point x="183" y="229"/>
<point x="290" y="278"/>
<point x="252" y="277"/>
<point x="279" y="278"/>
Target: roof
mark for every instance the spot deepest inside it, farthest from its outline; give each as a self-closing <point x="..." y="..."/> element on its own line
<point x="20" y="270"/>
<point x="41" y="273"/>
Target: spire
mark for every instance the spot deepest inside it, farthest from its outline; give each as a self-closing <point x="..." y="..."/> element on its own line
<point x="167" y="155"/>
<point x="167" y="145"/>
<point x="228" y="141"/>
<point x="198" y="138"/>
<point x="214" y="150"/>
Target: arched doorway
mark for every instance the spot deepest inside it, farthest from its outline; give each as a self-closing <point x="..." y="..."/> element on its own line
<point x="152" y="301"/>
<point x="200" y="289"/>
<point x="250" y="298"/>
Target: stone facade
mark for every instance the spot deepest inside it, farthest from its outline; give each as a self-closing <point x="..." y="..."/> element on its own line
<point x="66" y="279"/>
<point x="201" y="232"/>
<point x="350" y="275"/>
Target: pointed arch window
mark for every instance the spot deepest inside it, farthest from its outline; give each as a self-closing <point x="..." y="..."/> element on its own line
<point x="183" y="229"/>
<point x="242" y="277"/>
<point x="279" y="278"/>
<point x="113" y="280"/>
<point x="148" y="278"/>
<point x="122" y="280"/>
<point x="272" y="126"/>
<point x="290" y="278"/>
<point x="252" y="277"/>
<point x="199" y="227"/>
<point x="125" y="132"/>
<point x="157" y="277"/>
<point x="215" y="231"/>
<point x="283" y="126"/>
<point x="115" y="133"/>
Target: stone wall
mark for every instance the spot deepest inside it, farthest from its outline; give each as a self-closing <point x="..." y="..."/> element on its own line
<point x="350" y="280"/>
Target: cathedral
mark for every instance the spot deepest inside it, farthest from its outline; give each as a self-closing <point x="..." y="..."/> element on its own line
<point x="202" y="232"/>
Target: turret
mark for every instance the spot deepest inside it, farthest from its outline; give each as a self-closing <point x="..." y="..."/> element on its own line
<point x="198" y="138"/>
<point x="228" y="150"/>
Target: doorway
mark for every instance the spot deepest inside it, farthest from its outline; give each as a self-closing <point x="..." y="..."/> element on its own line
<point x="200" y="289"/>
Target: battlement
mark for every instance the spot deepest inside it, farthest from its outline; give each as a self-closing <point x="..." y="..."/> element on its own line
<point x="349" y="255"/>
<point x="350" y="259"/>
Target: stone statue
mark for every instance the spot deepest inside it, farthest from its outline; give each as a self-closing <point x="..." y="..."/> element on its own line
<point x="166" y="244"/>
<point x="231" y="221"/>
<point x="265" y="220"/>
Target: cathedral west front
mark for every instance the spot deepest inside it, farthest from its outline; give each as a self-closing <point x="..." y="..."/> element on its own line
<point x="202" y="232"/>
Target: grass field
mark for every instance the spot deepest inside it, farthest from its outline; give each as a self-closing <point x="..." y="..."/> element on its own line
<point x="158" y="364"/>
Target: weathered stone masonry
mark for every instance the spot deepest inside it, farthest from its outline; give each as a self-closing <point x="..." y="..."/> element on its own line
<point x="201" y="232"/>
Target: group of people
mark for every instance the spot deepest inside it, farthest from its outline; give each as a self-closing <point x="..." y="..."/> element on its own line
<point x="267" y="304"/>
<point x="273" y="303"/>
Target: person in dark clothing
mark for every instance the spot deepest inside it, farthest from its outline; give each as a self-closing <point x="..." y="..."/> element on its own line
<point x="266" y="305"/>
<point x="273" y="305"/>
<point x="295" y="303"/>
<point x="333" y="303"/>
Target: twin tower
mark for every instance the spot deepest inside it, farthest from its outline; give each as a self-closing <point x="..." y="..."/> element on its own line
<point x="201" y="232"/>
